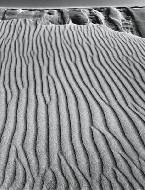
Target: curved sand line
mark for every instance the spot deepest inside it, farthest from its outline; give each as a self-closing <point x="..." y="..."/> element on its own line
<point x="72" y="107"/>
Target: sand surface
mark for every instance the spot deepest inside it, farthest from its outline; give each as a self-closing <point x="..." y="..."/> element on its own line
<point x="139" y="18"/>
<point x="127" y="19"/>
<point x="72" y="107"/>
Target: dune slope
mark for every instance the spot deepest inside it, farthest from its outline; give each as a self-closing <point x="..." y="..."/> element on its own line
<point x="139" y="18"/>
<point x="72" y="107"/>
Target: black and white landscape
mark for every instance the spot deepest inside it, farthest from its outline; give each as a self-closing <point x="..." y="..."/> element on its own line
<point x="72" y="99"/>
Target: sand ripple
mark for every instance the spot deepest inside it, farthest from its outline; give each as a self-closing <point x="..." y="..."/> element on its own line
<point x="72" y="107"/>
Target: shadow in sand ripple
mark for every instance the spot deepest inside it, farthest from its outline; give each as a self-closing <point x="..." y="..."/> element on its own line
<point x="72" y="107"/>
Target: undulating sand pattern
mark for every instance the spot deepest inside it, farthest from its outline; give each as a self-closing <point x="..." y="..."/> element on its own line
<point x="72" y="107"/>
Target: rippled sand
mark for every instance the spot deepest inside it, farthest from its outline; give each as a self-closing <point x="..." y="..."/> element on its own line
<point x="72" y="107"/>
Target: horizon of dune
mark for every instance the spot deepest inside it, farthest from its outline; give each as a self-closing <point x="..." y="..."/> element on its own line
<point x="72" y="107"/>
<point x="63" y="3"/>
<point x="70" y="7"/>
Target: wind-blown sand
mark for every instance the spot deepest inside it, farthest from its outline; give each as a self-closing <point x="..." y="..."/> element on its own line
<point x="72" y="107"/>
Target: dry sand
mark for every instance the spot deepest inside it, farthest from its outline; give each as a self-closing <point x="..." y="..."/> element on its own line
<point x="116" y="18"/>
<point x="139" y="18"/>
<point x="72" y="107"/>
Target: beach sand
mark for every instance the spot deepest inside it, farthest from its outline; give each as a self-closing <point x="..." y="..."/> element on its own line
<point x="72" y="107"/>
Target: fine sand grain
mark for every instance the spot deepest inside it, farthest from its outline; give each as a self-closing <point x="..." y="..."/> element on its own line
<point x="72" y="107"/>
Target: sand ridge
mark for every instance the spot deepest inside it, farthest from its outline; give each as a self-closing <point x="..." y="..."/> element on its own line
<point x="72" y="107"/>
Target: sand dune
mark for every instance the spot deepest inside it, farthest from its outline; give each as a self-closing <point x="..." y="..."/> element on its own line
<point x="139" y="17"/>
<point x="72" y="107"/>
<point x="118" y="19"/>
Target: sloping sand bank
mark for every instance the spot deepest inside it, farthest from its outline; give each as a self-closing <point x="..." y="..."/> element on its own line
<point x="139" y="18"/>
<point x="72" y="107"/>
